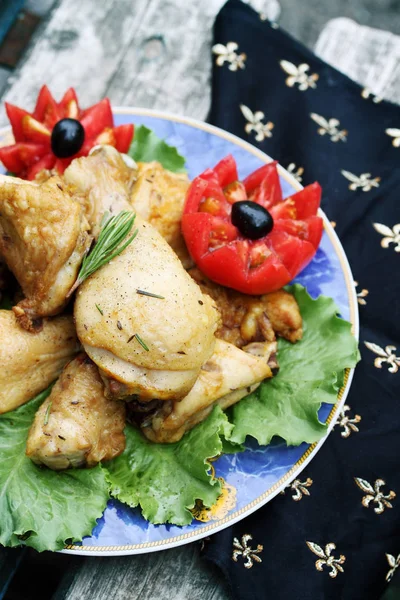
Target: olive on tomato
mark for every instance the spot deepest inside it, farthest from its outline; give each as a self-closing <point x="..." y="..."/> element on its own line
<point x="244" y="234"/>
<point x="252" y="219"/>
<point x="67" y="138"/>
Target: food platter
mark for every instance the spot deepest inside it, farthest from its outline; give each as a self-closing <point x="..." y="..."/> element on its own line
<point x="251" y="478"/>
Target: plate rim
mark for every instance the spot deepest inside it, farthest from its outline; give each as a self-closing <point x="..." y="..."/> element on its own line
<point x="313" y="449"/>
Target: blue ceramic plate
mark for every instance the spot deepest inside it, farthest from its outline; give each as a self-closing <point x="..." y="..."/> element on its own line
<point x="254" y="477"/>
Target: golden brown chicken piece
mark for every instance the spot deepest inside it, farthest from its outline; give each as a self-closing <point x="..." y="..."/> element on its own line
<point x="43" y="237"/>
<point x="158" y="196"/>
<point x="248" y="319"/>
<point x="29" y="363"/>
<point x="146" y="346"/>
<point x="76" y="425"/>
<point x="228" y="376"/>
<point x="101" y="182"/>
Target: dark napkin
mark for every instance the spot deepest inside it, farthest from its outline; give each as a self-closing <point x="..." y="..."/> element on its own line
<point x="325" y="127"/>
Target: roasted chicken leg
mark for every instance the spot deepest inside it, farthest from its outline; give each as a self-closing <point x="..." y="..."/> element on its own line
<point x="76" y="425"/>
<point x="158" y="196"/>
<point x="43" y="237"/>
<point x="101" y="182"/>
<point x="228" y="376"/>
<point x="29" y="363"/>
<point x="146" y="346"/>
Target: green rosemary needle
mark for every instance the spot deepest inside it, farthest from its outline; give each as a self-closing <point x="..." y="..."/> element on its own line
<point x="112" y="240"/>
<point x="47" y="414"/>
<point x="99" y="309"/>
<point x="144" y="293"/>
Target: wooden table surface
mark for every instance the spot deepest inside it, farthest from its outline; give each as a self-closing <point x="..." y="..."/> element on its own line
<point x="156" y="54"/>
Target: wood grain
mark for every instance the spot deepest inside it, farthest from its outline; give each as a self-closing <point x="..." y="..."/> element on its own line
<point x="369" y="56"/>
<point x="178" y="574"/>
<point x="153" y="53"/>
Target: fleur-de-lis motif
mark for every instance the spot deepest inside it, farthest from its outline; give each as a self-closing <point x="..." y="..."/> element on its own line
<point x="395" y="134"/>
<point x="330" y="127"/>
<point x="394" y="564"/>
<point x="326" y="559"/>
<point x="296" y="172"/>
<point x="299" y="75"/>
<point x="255" y="123"/>
<point x="366" y="93"/>
<point x="374" y="494"/>
<point x="361" y="295"/>
<point x="385" y="356"/>
<point x="299" y="488"/>
<point x="362" y="181"/>
<point x="392" y="236"/>
<point x="228" y="54"/>
<point x="248" y="554"/>
<point x="349" y="424"/>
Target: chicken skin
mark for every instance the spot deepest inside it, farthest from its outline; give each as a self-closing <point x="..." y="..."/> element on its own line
<point x="101" y="182"/>
<point x="228" y="376"/>
<point x="158" y="196"/>
<point x="248" y="319"/>
<point x="29" y="363"/>
<point x="146" y="346"/>
<point x="76" y="425"/>
<point x="43" y="237"/>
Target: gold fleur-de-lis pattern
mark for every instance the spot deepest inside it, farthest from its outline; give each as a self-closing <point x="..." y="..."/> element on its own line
<point x="228" y="54"/>
<point x="349" y="424"/>
<point x="394" y="564"/>
<point x="246" y="552"/>
<point x="299" y="488"/>
<point x="363" y="181"/>
<point x="395" y="134"/>
<point x="385" y="355"/>
<point x="326" y="559"/>
<point x="330" y="127"/>
<point x="255" y="123"/>
<point x="375" y="495"/>
<point x="366" y="93"/>
<point x="299" y="75"/>
<point x="361" y="295"/>
<point x="391" y="236"/>
<point x="295" y="171"/>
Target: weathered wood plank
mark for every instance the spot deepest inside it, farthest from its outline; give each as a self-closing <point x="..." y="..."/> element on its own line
<point x="305" y="20"/>
<point x="152" y="53"/>
<point x="369" y="56"/>
<point x="178" y="574"/>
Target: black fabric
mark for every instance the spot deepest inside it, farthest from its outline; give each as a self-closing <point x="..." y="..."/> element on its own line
<point x="333" y="512"/>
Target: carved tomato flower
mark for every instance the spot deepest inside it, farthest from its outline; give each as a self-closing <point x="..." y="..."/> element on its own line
<point x="57" y="132"/>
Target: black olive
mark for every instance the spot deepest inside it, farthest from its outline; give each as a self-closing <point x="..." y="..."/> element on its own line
<point x="67" y="138"/>
<point x="252" y="219"/>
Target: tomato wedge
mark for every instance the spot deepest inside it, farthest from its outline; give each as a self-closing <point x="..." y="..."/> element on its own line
<point x="251" y="266"/>
<point x="32" y="132"/>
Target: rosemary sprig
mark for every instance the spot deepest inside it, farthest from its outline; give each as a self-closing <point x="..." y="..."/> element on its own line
<point x="144" y="293"/>
<point x="47" y="414"/>
<point x="112" y="240"/>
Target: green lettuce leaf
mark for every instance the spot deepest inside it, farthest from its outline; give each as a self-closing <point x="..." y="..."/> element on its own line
<point x="167" y="479"/>
<point x="146" y="147"/>
<point x="311" y="372"/>
<point x="40" y="507"/>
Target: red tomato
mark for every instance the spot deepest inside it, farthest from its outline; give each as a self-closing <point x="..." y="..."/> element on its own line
<point x="219" y="249"/>
<point x="32" y="132"/>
